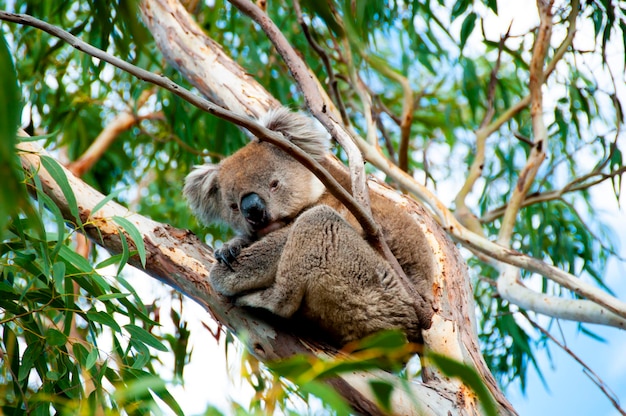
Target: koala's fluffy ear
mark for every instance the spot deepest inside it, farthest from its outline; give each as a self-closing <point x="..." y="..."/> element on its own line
<point x="304" y="131"/>
<point x="202" y="191"/>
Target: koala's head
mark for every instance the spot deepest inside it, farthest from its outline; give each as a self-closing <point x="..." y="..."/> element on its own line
<point x="260" y="188"/>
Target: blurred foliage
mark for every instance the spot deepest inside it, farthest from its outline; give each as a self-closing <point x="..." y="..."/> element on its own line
<point x="441" y="49"/>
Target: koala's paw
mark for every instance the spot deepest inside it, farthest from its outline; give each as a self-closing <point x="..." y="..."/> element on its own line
<point x="252" y="300"/>
<point x="227" y="254"/>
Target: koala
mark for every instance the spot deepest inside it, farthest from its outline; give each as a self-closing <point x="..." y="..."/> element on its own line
<point x="298" y="251"/>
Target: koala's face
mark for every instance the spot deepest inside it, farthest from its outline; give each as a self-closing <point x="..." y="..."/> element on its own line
<point x="262" y="189"/>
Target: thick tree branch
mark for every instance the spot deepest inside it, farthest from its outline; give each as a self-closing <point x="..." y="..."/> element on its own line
<point x="511" y="288"/>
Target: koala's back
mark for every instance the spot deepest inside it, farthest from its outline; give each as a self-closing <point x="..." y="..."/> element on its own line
<point x="404" y="237"/>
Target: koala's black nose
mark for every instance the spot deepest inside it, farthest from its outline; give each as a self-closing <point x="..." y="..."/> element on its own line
<point x="254" y="210"/>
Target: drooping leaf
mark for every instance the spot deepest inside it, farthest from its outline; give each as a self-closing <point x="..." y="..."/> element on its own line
<point x="134" y="233"/>
<point x="144" y="337"/>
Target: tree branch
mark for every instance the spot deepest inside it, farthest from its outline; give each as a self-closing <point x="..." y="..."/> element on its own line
<point x="523" y="103"/>
<point x="332" y="81"/>
<point x="537" y="154"/>
<point x="511" y="289"/>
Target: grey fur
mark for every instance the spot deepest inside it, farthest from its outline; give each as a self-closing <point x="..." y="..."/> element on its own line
<point x="303" y="131"/>
<point x="310" y="259"/>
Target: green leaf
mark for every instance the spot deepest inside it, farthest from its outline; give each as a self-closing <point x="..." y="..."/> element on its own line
<point x="134" y="233"/>
<point x="111" y="260"/>
<point x="58" y="174"/>
<point x="92" y="357"/>
<point x="467" y="28"/>
<point x="105" y="200"/>
<point x="52" y="375"/>
<point x="459" y="8"/>
<point x="291" y="367"/>
<point x="165" y="395"/>
<point x="382" y="390"/>
<point x="58" y="275"/>
<point x="74" y="259"/>
<point x="392" y="339"/>
<point x="145" y="337"/>
<point x="55" y="337"/>
<point x="80" y="352"/>
<point x="109" y="296"/>
<point x="469" y="376"/>
<point x="32" y="353"/>
<point x="103" y="318"/>
<point x="125" y="254"/>
<point x="11" y="348"/>
<point x="328" y="395"/>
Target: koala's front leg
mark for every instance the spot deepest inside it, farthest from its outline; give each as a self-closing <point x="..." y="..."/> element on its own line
<point x="253" y="269"/>
<point x="307" y="249"/>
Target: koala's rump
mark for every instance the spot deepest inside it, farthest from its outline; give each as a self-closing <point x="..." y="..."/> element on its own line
<point x="350" y="290"/>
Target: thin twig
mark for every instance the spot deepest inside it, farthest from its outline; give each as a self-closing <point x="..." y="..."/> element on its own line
<point x="332" y="81"/>
<point x="573" y="186"/>
<point x="590" y="373"/>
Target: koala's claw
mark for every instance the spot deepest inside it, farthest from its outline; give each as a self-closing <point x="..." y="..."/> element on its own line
<point x="227" y="254"/>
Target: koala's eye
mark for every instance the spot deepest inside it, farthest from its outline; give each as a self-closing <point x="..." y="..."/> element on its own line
<point x="274" y="185"/>
<point x="234" y="207"/>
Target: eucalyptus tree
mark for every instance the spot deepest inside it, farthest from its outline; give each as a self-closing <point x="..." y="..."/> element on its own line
<point x="491" y="139"/>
